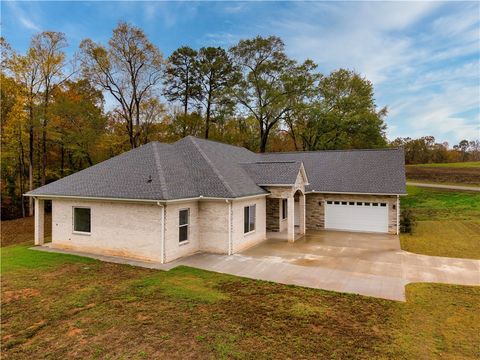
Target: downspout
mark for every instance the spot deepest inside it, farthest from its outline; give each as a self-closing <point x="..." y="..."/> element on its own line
<point x="162" y="232"/>
<point x="398" y="214"/>
<point x="230" y="245"/>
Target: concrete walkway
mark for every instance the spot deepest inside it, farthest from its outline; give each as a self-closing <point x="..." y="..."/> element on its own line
<point x="366" y="264"/>
<point x="448" y="187"/>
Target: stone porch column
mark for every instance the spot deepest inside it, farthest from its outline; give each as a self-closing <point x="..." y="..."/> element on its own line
<point x="291" y="219"/>
<point x="39" y="221"/>
<point x="302" y="213"/>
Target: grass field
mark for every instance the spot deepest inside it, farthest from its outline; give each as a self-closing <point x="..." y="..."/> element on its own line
<point x="61" y="306"/>
<point x="64" y="306"/>
<point x="466" y="173"/>
<point x="457" y="165"/>
<point x="448" y="223"/>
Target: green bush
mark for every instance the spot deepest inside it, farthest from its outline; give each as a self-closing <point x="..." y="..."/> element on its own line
<point x="407" y="221"/>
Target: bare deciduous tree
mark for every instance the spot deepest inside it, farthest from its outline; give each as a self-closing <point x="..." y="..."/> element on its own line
<point x="129" y="69"/>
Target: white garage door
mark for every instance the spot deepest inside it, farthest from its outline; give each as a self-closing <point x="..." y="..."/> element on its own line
<point x="356" y="216"/>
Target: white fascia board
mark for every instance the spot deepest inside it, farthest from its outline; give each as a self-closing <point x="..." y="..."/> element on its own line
<point x="290" y="185"/>
<point x="304" y="173"/>
<point x="351" y="193"/>
<point x="93" y="198"/>
<point x="153" y="201"/>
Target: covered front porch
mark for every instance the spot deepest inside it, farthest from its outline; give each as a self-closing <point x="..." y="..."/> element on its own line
<point x="285" y="214"/>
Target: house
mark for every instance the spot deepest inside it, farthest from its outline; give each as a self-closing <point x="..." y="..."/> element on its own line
<point x="160" y="202"/>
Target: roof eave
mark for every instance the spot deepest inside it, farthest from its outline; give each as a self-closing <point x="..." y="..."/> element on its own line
<point x="356" y="193"/>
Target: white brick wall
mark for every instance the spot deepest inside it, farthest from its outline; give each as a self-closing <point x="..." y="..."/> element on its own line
<point x="134" y="230"/>
<point x="241" y="241"/>
<point x="117" y="228"/>
<point x="214" y="226"/>
<point x="173" y="248"/>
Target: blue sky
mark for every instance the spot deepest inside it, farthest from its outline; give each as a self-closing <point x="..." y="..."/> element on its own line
<point x="423" y="57"/>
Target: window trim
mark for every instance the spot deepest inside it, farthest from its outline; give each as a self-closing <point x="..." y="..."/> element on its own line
<point x="254" y="219"/>
<point x="284" y="209"/>
<point x="187" y="225"/>
<point x="78" y="232"/>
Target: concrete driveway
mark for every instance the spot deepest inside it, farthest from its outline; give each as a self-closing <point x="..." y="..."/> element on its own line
<point x="367" y="264"/>
<point x="359" y="263"/>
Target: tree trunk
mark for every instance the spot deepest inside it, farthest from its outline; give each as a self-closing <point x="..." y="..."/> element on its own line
<point x="44" y="136"/>
<point x="62" y="160"/>
<point x="30" y="166"/>
<point x="207" y="120"/>
<point x="185" y="100"/>
<point x="89" y="159"/>
<point x="263" y="139"/>
<point x="130" y="132"/>
<point x="44" y="153"/>
<point x="21" y="164"/>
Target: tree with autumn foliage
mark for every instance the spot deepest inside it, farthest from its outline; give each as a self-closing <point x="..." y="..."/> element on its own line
<point x="129" y="69"/>
<point x="56" y="120"/>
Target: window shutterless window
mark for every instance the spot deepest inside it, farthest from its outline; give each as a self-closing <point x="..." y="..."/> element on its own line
<point x="249" y="218"/>
<point x="183" y="224"/>
<point x="284" y="209"/>
<point x="81" y="219"/>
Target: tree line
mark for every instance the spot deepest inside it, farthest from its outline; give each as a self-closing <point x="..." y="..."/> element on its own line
<point x="426" y="150"/>
<point x="60" y="114"/>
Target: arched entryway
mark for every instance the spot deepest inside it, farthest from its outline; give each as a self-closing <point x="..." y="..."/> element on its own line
<point x="298" y="215"/>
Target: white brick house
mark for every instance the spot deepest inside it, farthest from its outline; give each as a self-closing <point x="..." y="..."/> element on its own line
<point x="161" y="201"/>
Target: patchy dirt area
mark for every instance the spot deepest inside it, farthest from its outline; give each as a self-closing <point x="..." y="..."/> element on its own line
<point x="20" y="231"/>
<point x="453" y="175"/>
<point x="13" y="295"/>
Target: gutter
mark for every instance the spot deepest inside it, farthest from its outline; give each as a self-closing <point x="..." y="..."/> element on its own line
<point x="352" y="193"/>
<point x="152" y="201"/>
<point x="162" y="232"/>
<point x="230" y="240"/>
<point x="398" y="214"/>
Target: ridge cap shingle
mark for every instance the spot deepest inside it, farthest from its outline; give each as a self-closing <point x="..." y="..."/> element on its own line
<point x="160" y="173"/>
<point x="212" y="166"/>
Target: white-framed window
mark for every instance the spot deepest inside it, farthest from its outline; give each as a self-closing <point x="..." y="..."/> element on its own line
<point x="249" y="218"/>
<point x="82" y="220"/>
<point x="284" y="208"/>
<point x="183" y="225"/>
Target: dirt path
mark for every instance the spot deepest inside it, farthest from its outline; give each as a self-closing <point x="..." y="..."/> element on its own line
<point x="449" y="187"/>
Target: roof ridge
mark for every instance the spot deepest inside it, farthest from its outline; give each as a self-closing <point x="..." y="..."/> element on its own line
<point x="320" y="151"/>
<point x="210" y="163"/>
<point x="217" y="142"/>
<point x="272" y="162"/>
<point x="161" y="176"/>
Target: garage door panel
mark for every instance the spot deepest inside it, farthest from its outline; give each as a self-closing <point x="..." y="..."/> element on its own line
<point x="356" y="217"/>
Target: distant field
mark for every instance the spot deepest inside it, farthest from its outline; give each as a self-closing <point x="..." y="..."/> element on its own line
<point x="467" y="173"/>
<point x="468" y="164"/>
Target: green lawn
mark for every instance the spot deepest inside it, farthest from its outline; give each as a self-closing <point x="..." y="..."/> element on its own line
<point x="448" y="222"/>
<point x="65" y="306"/>
<point x="60" y="306"/>
<point x="439" y="204"/>
<point x="467" y="164"/>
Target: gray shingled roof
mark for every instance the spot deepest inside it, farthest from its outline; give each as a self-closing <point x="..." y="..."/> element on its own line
<point x="273" y="172"/>
<point x="351" y="171"/>
<point x="194" y="167"/>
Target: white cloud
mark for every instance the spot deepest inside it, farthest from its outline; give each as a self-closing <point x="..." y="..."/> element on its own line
<point x="25" y="18"/>
<point x="168" y="13"/>
<point x="422" y="58"/>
